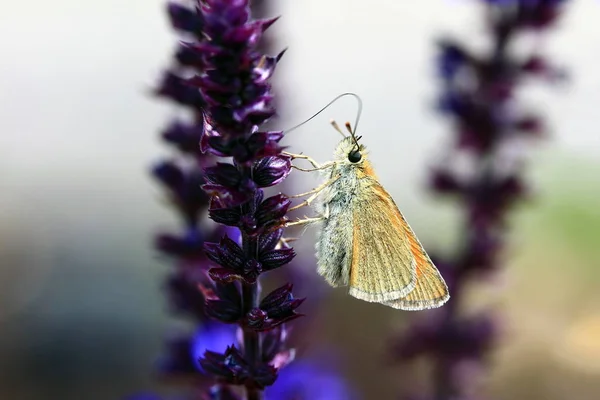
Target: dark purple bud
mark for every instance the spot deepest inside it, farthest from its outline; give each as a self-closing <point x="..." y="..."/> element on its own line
<point x="280" y="304"/>
<point x="265" y="144"/>
<point x="443" y="181"/>
<point x="179" y="90"/>
<point x="232" y="197"/>
<point x="256" y="318"/>
<point x="232" y="368"/>
<point x="229" y="366"/>
<point x="224" y="275"/>
<point x="227" y="292"/>
<point x="257" y="112"/>
<point x="223" y="174"/>
<point x="184" y="136"/>
<point x="169" y="174"/>
<point x="266" y="24"/>
<point x="276" y="258"/>
<point x="211" y="141"/>
<point x="270" y="171"/>
<point x="277" y="296"/>
<point x="209" y="49"/>
<point x="265" y="68"/>
<point x="227" y="253"/>
<point x="222" y="16"/>
<point x="452" y="57"/>
<point x="272" y="210"/>
<point x="184" y="19"/>
<point x="184" y="296"/>
<point x="188" y="246"/>
<point x="452" y="103"/>
<point x="268" y="241"/>
<point x="245" y="34"/>
<point x="187" y="55"/>
<point x="228" y="184"/>
<point x="244" y="151"/>
<point x="225" y="216"/>
<point x="215" y="84"/>
<point x="224" y="311"/>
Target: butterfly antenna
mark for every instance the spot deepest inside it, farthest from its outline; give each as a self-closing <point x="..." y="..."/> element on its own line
<point x="336" y="127"/>
<point x="349" y="129"/>
<point x="329" y="104"/>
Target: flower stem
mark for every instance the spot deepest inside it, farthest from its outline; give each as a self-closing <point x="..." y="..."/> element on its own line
<point x="250" y="296"/>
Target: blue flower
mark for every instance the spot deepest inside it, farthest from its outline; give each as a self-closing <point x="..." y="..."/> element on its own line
<point x="304" y="380"/>
<point x="212" y="336"/>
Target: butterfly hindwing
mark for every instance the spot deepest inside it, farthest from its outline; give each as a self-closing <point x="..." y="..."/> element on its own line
<point x="430" y="290"/>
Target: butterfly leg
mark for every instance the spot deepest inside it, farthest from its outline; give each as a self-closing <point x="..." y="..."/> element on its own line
<point x="303" y="157"/>
<point x="284" y="243"/>
<point x="315" y="192"/>
<point x="322" y="167"/>
<point x="307" y="220"/>
<point x="315" y="164"/>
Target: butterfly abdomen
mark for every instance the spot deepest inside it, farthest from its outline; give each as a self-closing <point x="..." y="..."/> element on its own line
<point x="334" y="242"/>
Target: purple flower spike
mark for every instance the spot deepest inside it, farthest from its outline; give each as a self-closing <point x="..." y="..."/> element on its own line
<point x="227" y="87"/>
<point x="486" y="115"/>
<point x="221" y="78"/>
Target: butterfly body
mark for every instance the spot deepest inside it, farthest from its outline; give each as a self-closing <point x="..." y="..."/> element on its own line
<point x="365" y="243"/>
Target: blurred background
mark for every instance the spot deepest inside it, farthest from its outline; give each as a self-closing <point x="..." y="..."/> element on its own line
<point x="82" y="312"/>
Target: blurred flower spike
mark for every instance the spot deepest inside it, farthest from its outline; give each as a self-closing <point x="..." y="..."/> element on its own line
<point x="491" y="133"/>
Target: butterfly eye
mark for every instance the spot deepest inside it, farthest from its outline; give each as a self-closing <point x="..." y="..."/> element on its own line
<point x="354" y="156"/>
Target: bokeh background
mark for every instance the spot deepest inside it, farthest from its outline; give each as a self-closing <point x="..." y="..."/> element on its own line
<point x="82" y="313"/>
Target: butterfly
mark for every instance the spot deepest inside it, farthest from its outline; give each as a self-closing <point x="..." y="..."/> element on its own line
<point x="364" y="241"/>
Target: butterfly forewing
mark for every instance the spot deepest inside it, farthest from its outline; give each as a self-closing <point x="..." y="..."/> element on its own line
<point x="382" y="263"/>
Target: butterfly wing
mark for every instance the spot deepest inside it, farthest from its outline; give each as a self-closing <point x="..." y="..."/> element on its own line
<point x="430" y="290"/>
<point x="382" y="264"/>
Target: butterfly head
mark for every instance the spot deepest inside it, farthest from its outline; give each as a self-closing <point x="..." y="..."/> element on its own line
<point x="349" y="151"/>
